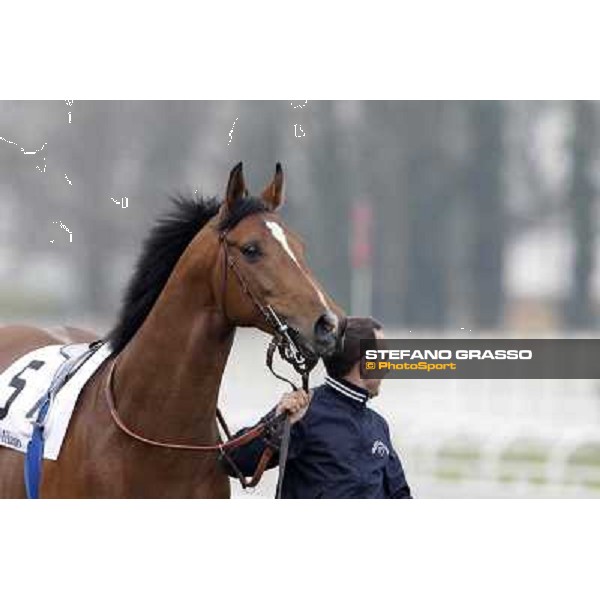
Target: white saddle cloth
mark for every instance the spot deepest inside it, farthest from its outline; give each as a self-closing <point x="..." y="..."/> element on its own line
<point x="26" y="380"/>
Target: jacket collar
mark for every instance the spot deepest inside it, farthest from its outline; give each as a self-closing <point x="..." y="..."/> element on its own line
<point x="348" y="389"/>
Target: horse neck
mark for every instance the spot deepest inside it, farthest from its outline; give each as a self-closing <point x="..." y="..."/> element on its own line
<point x="167" y="378"/>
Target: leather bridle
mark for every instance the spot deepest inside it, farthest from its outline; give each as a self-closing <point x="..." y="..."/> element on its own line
<point x="282" y="340"/>
<point x="289" y="351"/>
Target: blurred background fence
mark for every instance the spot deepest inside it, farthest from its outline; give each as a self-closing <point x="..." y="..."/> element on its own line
<point x="445" y="218"/>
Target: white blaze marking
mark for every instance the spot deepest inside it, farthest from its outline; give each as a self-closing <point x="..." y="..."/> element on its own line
<point x="279" y="235"/>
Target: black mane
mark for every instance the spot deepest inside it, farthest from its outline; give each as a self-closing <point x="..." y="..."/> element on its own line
<point x="166" y="242"/>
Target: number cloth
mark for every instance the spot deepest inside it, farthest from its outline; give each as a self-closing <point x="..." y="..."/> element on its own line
<point x="23" y="389"/>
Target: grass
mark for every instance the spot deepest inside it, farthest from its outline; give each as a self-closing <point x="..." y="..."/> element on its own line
<point x="461" y="449"/>
<point x="526" y="450"/>
<point x="586" y="455"/>
<point x="524" y="460"/>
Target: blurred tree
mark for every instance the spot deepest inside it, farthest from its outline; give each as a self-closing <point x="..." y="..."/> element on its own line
<point x="384" y="171"/>
<point x="427" y="214"/>
<point x="578" y="307"/>
<point x="119" y="149"/>
<point x="330" y="175"/>
<point x="485" y="213"/>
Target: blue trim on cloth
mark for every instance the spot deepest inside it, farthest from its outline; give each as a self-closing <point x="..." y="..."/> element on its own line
<point x="35" y="453"/>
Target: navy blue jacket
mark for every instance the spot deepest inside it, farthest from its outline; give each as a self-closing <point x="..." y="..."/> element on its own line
<point x="341" y="448"/>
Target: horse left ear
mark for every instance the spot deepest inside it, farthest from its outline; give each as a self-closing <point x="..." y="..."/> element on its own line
<point x="236" y="186"/>
<point x="272" y="195"/>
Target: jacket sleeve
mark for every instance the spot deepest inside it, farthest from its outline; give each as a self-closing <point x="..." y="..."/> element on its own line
<point x="395" y="480"/>
<point x="247" y="457"/>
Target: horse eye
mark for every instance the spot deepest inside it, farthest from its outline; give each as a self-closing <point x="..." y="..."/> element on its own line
<point x="251" y="251"/>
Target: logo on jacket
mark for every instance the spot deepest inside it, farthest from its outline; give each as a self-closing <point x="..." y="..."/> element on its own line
<point x="380" y="449"/>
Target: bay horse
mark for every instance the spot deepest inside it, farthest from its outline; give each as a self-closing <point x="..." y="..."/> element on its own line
<point x="170" y="346"/>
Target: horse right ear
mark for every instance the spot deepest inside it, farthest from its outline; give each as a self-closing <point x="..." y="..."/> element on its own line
<point x="273" y="193"/>
<point x="236" y="187"/>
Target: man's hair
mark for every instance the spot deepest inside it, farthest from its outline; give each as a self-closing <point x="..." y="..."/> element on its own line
<point x="357" y="328"/>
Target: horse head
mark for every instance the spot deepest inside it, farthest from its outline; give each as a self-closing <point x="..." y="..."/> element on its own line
<point x="270" y="269"/>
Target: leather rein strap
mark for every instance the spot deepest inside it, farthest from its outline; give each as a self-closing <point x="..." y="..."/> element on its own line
<point x="288" y="350"/>
<point x="245" y="438"/>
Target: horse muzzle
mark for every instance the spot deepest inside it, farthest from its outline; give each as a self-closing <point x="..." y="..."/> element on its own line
<point x="326" y="333"/>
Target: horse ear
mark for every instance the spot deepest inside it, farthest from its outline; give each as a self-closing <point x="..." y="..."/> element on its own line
<point x="273" y="194"/>
<point x="236" y="187"/>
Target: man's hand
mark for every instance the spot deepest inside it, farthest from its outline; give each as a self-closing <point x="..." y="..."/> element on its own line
<point x="296" y="403"/>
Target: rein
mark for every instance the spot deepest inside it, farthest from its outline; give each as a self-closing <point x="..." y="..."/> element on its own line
<point x="245" y="438"/>
<point x="288" y="350"/>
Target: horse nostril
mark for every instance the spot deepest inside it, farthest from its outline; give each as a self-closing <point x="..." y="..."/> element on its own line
<point x="326" y="326"/>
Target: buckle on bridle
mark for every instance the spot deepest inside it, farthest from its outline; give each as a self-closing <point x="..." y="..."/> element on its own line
<point x="280" y="326"/>
<point x="288" y="348"/>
